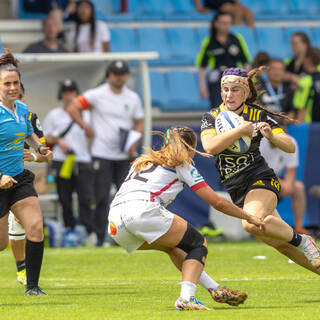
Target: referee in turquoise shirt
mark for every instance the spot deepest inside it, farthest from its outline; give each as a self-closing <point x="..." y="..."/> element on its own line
<point x="17" y="192"/>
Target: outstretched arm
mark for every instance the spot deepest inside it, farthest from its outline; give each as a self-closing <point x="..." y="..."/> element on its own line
<point x="227" y="207"/>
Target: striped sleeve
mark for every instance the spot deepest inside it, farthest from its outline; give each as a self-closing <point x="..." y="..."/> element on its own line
<point x="191" y="176"/>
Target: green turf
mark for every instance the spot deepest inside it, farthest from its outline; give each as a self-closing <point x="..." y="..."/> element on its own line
<point x="107" y="283"/>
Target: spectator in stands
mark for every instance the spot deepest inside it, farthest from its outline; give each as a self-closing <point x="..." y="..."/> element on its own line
<point x="262" y="58"/>
<point x="277" y="95"/>
<point x="285" y="167"/>
<point x="219" y="51"/>
<point x="71" y="161"/>
<point x="240" y="12"/>
<point x="50" y="42"/>
<point x="307" y="98"/>
<point x="117" y="126"/>
<point x="300" y="44"/>
<point x="88" y="34"/>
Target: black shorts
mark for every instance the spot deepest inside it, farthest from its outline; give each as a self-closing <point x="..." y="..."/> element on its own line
<point x="21" y="190"/>
<point x="267" y="181"/>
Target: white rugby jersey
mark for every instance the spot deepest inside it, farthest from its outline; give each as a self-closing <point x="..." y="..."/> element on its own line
<point x="158" y="184"/>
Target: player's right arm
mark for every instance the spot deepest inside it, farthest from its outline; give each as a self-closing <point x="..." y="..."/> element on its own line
<point x="225" y="206"/>
<point x="74" y="109"/>
<point x="213" y="143"/>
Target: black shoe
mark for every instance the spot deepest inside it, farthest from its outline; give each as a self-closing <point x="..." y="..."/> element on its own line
<point x="36" y="291"/>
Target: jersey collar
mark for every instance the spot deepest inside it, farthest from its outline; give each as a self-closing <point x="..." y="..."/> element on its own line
<point x="223" y="107"/>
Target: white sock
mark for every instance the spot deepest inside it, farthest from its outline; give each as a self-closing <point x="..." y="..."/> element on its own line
<point x="207" y="282"/>
<point x="188" y="290"/>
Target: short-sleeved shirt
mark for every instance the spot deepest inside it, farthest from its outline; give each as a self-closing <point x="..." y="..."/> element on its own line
<point x="290" y="67"/>
<point x="307" y="97"/>
<point x="15" y="126"/>
<point x="110" y="114"/>
<point x="36" y="125"/>
<point x="234" y="167"/>
<point x="160" y="184"/>
<point x="56" y="122"/>
<point x="221" y="56"/>
<point x="39" y="47"/>
<point x="277" y="159"/>
<point x="102" y="34"/>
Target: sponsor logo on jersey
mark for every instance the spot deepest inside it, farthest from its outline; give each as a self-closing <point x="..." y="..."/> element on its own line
<point x="258" y="183"/>
<point x="196" y="175"/>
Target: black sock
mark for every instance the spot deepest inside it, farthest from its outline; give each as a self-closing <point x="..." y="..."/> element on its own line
<point x="34" y="254"/>
<point x="296" y="239"/>
<point x="21" y="265"/>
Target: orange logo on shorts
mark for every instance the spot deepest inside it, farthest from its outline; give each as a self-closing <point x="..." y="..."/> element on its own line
<point x="113" y="228"/>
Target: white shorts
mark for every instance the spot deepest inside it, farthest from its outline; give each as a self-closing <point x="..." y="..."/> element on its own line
<point x="137" y="221"/>
<point x="16" y="230"/>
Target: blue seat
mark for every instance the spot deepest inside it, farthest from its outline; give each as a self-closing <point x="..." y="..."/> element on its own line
<point x="184" y="45"/>
<point x="124" y="40"/>
<point x="183" y="91"/>
<point x="201" y="33"/>
<point x="159" y="89"/>
<point x="316" y="37"/>
<point x="154" y="39"/>
<point x="289" y="31"/>
<point x="271" y="40"/>
<point x="183" y="7"/>
<point x="154" y="9"/>
<point x="255" y="6"/>
<point x="274" y="6"/>
<point x="249" y="36"/>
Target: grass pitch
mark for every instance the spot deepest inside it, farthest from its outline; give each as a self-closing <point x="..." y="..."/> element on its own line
<point x="107" y="283"/>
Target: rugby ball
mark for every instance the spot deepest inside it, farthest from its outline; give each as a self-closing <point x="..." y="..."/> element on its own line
<point x="226" y="121"/>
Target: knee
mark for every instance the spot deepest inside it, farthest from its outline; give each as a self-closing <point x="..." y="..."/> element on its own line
<point x="194" y="244"/>
<point x="35" y="231"/>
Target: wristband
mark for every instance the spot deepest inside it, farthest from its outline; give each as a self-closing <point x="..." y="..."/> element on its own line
<point x="35" y="158"/>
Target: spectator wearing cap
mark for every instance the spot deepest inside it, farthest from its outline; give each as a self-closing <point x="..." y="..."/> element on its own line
<point x="50" y="43"/>
<point x="71" y="164"/>
<point x="117" y="126"/>
<point x="88" y="34"/>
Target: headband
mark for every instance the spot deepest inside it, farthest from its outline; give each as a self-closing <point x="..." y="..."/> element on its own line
<point x="236" y="81"/>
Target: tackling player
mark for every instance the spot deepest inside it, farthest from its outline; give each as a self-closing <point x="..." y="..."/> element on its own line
<point x="247" y="177"/>
<point x="139" y="220"/>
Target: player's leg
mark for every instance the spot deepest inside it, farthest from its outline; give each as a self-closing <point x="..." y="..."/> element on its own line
<point x="219" y="293"/>
<point x="183" y="235"/>
<point x="28" y="212"/>
<point x="17" y="242"/>
<point x="262" y="203"/>
<point x="4" y="232"/>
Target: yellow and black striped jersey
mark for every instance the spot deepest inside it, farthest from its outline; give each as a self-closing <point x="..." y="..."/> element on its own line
<point x="36" y="128"/>
<point x="228" y="163"/>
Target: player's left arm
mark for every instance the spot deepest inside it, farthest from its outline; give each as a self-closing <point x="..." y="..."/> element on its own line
<point x="270" y="129"/>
